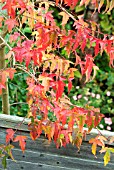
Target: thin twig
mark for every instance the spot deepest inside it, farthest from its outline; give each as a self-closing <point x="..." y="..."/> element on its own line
<point x="18" y="103"/>
<point x="17" y="86"/>
<point x="18" y="66"/>
<point x="102" y="134"/>
<point x="22" y="33"/>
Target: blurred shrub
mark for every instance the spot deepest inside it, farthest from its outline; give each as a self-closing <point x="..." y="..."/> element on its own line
<point x="99" y="92"/>
<point x="17" y="95"/>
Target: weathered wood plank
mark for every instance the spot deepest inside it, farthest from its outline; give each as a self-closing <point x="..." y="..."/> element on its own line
<point x="11" y="165"/>
<point x="55" y="162"/>
<point x="60" y="160"/>
<point x="9" y="121"/>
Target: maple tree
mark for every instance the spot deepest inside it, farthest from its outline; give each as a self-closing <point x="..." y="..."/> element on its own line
<point x="50" y="73"/>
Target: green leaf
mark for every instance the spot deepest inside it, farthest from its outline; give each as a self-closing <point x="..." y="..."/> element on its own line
<point x="77" y="74"/>
<point x="4" y="162"/>
<point x="27" y="30"/>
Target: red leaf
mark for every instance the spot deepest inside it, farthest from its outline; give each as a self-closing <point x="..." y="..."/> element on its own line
<point x="97" y="48"/>
<point x="69" y="86"/>
<point x="83" y="45"/>
<point x="22" y="141"/>
<point x="57" y="1"/>
<point x="60" y="89"/>
<point x="21" y="4"/>
<point x="88" y="66"/>
<point x="9" y="7"/>
<point x="14" y="37"/>
<point x="11" y="23"/>
<point x="9" y="135"/>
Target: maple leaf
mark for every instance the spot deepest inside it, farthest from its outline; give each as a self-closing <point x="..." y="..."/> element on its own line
<point x="57" y="1"/>
<point x="81" y="122"/>
<point x="65" y="18"/>
<point x="96" y="141"/>
<point x="11" y="72"/>
<point x="77" y="138"/>
<point x="14" y="37"/>
<point x="8" y="149"/>
<point x="111" y="140"/>
<point x="9" y="135"/>
<point x="45" y="81"/>
<point x="11" y="23"/>
<point x="21" y="4"/>
<point x="100" y="5"/>
<point x="22" y="141"/>
<point x="97" y="48"/>
<point x="69" y="86"/>
<point x="60" y="89"/>
<point x="88" y="66"/>
<point x="106" y="157"/>
<point x="9" y="7"/>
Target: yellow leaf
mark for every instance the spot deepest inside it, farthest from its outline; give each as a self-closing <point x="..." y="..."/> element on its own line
<point x="106" y="157"/>
<point x="30" y="101"/>
<point x="94" y="146"/>
<point x="111" y="6"/>
<point x="100" y="5"/>
<point x="70" y="137"/>
<point x="45" y="82"/>
<point x="65" y="18"/>
<point x="111" y="150"/>
<point x="107" y="6"/>
<point x="29" y="114"/>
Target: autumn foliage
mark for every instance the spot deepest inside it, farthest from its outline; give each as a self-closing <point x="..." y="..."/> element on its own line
<point x="49" y="73"/>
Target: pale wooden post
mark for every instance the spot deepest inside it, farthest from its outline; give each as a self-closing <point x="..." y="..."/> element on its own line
<point x="5" y="92"/>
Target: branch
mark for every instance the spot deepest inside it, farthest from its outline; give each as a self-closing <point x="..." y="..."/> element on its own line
<point x="18" y="66"/>
<point x="18" y="103"/>
<point x="5" y="43"/>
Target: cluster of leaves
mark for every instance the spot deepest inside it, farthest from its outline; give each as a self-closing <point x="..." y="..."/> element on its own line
<point x="49" y="73"/>
<point x="98" y="93"/>
<point x="6" y="150"/>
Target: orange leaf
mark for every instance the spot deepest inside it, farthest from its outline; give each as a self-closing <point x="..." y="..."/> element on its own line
<point x="9" y="135"/>
<point x="22" y="141"/>
<point x="94" y="146"/>
<point x="11" y="72"/>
